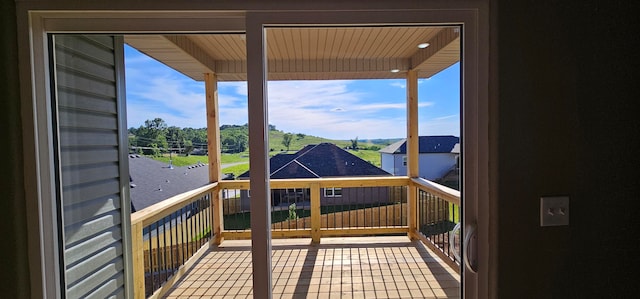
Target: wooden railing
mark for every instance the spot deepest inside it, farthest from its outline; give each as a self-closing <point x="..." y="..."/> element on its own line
<point x="167" y="236"/>
<point x="438" y="212"/>
<point x="312" y="208"/>
<point x="365" y="206"/>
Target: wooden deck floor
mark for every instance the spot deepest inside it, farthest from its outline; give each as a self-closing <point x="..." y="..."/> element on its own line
<point x="369" y="267"/>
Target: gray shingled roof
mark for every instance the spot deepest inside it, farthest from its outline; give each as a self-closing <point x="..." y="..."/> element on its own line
<point x="318" y="161"/>
<point x="427" y="144"/>
<point x="154" y="181"/>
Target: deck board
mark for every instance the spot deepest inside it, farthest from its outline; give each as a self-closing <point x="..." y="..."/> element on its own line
<point x="354" y="267"/>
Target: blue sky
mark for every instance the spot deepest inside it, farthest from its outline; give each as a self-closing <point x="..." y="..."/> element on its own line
<point x="338" y="109"/>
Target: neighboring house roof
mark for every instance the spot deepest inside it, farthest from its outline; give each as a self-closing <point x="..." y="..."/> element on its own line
<point x="153" y="181"/>
<point x="318" y="161"/>
<point x="427" y="144"/>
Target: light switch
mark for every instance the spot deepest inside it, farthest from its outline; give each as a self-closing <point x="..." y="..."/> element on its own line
<point x="554" y="210"/>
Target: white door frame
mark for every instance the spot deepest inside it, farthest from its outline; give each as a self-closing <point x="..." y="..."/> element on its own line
<point x="35" y="92"/>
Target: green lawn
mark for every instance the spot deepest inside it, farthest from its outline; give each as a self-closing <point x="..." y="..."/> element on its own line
<point x="236" y="169"/>
<point x="372" y="156"/>
<point x="234" y="158"/>
<point x="180" y="160"/>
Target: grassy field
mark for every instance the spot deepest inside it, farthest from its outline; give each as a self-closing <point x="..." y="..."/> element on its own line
<point x="236" y="169"/>
<point x="372" y="157"/>
<point x="180" y="160"/>
<point x="276" y="137"/>
<point x="234" y="158"/>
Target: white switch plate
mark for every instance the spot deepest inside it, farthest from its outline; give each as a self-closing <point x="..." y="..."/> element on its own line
<point x="554" y="210"/>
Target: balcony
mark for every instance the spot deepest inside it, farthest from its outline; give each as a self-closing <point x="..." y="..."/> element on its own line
<point x="354" y="237"/>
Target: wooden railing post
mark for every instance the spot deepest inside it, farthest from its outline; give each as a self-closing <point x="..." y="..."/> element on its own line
<point x="315" y="213"/>
<point x="412" y="211"/>
<point x="217" y="225"/>
<point x="213" y="147"/>
<point x="137" y="245"/>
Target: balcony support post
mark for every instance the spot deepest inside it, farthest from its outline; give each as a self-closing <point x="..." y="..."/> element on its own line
<point x="315" y="213"/>
<point x="213" y="149"/>
<point x="412" y="151"/>
<point x="259" y="158"/>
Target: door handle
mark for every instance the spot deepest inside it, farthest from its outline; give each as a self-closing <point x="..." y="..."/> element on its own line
<point x="452" y="241"/>
<point x="470" y="252"/>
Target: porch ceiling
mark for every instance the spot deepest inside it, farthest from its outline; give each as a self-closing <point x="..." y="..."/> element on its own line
<point x="310" y="53"/>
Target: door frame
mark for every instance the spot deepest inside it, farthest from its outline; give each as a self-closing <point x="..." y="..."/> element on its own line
<point x="34" y="25"/>
<point x="474" y="106"/>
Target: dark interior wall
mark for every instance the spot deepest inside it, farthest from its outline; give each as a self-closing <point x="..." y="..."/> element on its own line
<point x="13" y="249"/>
<point x="568" y="125"/>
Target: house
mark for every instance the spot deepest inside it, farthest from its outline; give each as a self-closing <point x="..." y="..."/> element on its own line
<point x="562" y="84"/>
<point x="324" y="160"/>
<point x="438" y="156"/>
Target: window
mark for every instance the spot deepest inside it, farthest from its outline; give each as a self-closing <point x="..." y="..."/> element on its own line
<point x="332" y="192"/>
<point x="404" y="160"/>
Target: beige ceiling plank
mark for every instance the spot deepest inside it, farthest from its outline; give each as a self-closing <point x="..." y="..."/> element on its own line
<point x="348" y="69"/>
<point x="440" y="41"/>
<point x="409" y="39"/>
<point x="383" y="47"/>
<point x="322" y="44"/>
<point x="331" y="39"/>
<point x="192" y="49"/>
<point x="442" y="60"/>
<point x="161" y="49"/>
<point x="361" y="44"/>
<point x="349" y="42"/>
<point x="222" y="46"/>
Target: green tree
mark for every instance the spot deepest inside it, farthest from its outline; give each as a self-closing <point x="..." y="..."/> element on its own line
<point x="234" y="141"/>
<point x="161" y="143"/>
<point x="150" y="133"/>
<point x="354" y="144"/>
<point x="188" y="147"/>
<point x="132" y="143"/>
<point x="175" y="136"/>
<point x="241" y="143"/>
<point x="286" y="140"/>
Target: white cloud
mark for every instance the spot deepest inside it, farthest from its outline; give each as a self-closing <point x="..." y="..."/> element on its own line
<point x="324" y="108"/>
<point x="385" y="106"/>
<point x="179" y="104"/>
<point x="332" y="109"/>
<point x="398" y="84"/>
<point x="447" y="117"/>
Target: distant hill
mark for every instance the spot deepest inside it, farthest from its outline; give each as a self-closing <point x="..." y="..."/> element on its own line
<point x="156" y="137"/>
<point x="300" y="140"/>
<point x="381" y="141"/>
